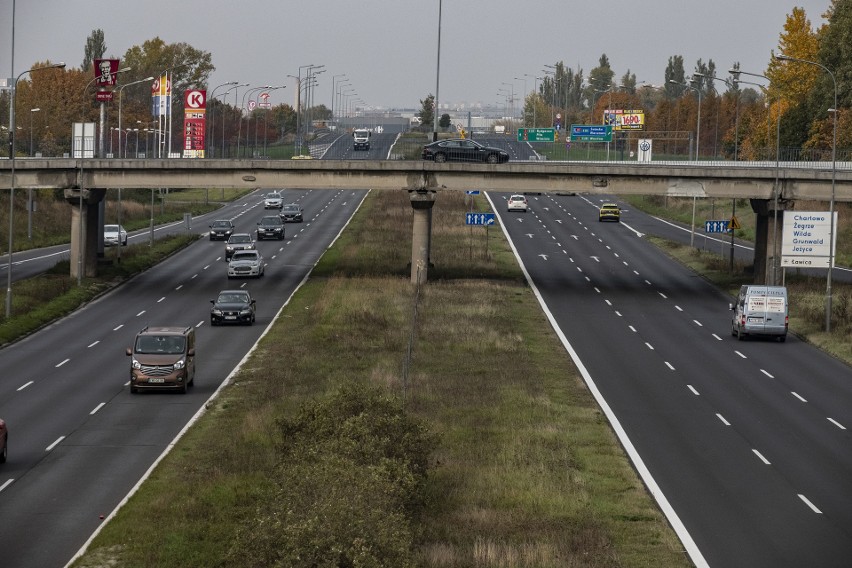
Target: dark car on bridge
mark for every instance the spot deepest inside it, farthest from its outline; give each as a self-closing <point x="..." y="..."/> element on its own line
<point x="463" y="150"/>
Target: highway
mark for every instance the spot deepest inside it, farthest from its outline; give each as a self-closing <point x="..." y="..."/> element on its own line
<point x="744" y="444"/>
<point x="78" y="440"/>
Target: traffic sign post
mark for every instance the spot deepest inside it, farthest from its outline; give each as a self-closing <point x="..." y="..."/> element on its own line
<point x="720" y="226"/>
<point x="591" y="133"/>
<point x="536" y="134"/>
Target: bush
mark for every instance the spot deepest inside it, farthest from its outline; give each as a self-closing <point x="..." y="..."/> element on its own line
<point x="349" y="486"/>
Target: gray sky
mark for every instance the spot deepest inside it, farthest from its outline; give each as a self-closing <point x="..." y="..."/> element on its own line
<point x="387" y="49"/>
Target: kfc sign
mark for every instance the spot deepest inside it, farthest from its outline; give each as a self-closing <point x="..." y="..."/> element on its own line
<point x="105" y="72"/>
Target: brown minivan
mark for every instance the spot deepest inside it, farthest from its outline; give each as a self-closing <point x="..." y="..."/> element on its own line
<point x="162" y="358"/>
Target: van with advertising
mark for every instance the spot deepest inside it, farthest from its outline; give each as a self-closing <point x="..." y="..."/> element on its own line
<point x="761" y="311"/>
<point x="162" y="358"/>
<point x="361" y="139"/>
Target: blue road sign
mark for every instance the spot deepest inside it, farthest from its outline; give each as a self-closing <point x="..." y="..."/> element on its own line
<point x="472" y="192"/>
<point x="479" y="219"/>
<point x="716" y="226"/>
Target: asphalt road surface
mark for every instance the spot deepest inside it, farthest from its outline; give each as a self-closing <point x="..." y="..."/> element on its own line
<point x="78" y="440"/>
<point x="743" y="443"/>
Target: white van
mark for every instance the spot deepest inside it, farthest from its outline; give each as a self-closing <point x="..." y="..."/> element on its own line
<point x="760" y="310"/>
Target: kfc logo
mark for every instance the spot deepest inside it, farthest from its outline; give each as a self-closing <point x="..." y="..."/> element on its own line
<point x="106" y="71"/>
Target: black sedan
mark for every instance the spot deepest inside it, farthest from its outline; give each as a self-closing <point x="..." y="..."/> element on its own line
<point x="221" y="229"/>
<point x="232" y="306"/>
<point x="463" y="150"/>
<point x="291" y="213"/>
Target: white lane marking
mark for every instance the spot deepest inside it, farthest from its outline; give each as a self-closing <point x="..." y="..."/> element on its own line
<point x="199" y="324"/>
<point x="608" y="303"/>
<point x="670" y="366"/>
<point x="636" y="272"/>
<point x="62" y="363"/>
<point x="616" y="255"/>
<point x="638" y="234"/>
<point x="6" y="484"/>
<point x="765" y="372"/>
<point x="140" y="313"/>
<point x="90" y="345"/>
<point x="698" y="323"/>
<point x="579" y="269"/>
<point x="722" y="418"/>
<point x="692" y="388"/>
<point x="648" y="282"/>
<point x="194" y="276"/>
<point x="206" y="267"/>
<point x="618" y="313"/>
<point x="25" y="385"/>
<point x="179" y="287"/>
<point x="161" y="299"/>
<point x="797" y="395"/>
<point x="836" y="423"/>
<point x="98" y="407"/>
<point x="663" y="295"/>
<point x="631" y="328"/>
<point x="716" y="336"/>
<point x="740" y="354"/>
<point x="587" y="278"/>
<point x="651" y="347"/>
<point x="596" y="289"/>
<point x="763" y="459"/>
<point x="54" y="444"/>
<point x="678" y="308"/>
<point x="809" y="504"/>
<point x="117" y="328"/>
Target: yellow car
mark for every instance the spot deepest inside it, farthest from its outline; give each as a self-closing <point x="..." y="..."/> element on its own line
<point x="609" y="212"/>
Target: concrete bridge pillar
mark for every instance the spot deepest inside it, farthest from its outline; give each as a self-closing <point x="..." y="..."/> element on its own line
<point x="422" y="202"/>
<point x="769" y="229"/>
<point x="85" y="230"/>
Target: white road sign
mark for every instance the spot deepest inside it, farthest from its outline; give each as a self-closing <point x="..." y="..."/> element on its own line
<point x="807" y="239"/>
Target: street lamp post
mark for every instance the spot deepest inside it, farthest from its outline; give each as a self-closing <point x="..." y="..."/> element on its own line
<point x="698" y="125"/>
<point x="212" y="122"/>
<point x="437" y="77"/>
<point x="32" y="112"/>
<point x="783" y="57"/>
<point x="120" y="90"/>
<point x="12" y="178"/>
<point x="235" y="88"/>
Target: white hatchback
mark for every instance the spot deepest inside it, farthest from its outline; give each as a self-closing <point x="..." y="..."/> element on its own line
<point x="517" y="203"/>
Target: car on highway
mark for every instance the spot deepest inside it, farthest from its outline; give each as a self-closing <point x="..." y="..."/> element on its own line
<point x="246" y="264"/>
<point x="291" y="213"/>
<point x="517" y="203"/>
<point x="221" y="229"/>
<point x="4" y="441"/>
<point x="463" y="150"/>
<point x="232" y="306"/>
<point x="273" y="201"/>
<point x="113" y="235"/>
<point x="270" y="227"/>
<point x="238" y="241"/>
<point x="609" y="212"/>
<point x="162" y="357"/>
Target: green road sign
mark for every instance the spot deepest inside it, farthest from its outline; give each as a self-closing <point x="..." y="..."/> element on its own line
<point x="536" y="134"/>
<point x="591" y="133"/>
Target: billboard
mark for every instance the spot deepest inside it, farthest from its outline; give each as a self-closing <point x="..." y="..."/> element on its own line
<point x="161" y="94"/>
<point x="105" y="72"/>
<point x="625" y="119"/>
<point x="194" y="123"/>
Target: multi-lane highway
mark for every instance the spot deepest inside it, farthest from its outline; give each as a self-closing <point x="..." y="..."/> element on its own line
<point x="78" y="440"/>
<point x="745" y="444"/>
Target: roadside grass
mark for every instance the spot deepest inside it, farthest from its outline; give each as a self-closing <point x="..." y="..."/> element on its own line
<point x="526" y="473"/>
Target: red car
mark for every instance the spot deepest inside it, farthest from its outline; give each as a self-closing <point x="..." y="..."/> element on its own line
<point x="4" y="438"/>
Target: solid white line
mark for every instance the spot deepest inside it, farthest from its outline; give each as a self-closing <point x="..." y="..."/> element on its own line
<point x="740" y="354"/>
<point x="765" y="372"/>
<point x="6" y="484"/>
<point x="763" y="459"/>
<point x="670" y="366"/>
<point x="836" y="423"/>
<point x="98" y="407"/>
<point x="692" y="388"/>
<point x="25" y="385"/>
<point x="688" y="543"/>
<point x="93" y="344"/>
<point x="62" y="363"/>
<point x="797" y="395"/>
<point x="54" y="444"/>
<point x="809" y="504"/>
<point x="722" y="418"/>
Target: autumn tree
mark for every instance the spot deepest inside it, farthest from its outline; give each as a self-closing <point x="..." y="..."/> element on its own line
<point x="674" y="72"/>
<point x="427" y="112"/>
<point x="600" y="79"/>
<point x="95" y="49"/>
<point x="790" y="80"/>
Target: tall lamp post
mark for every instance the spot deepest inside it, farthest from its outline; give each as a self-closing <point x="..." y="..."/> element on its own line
<point x="212" y="123"/>
<point x="783" y="57"/>
<point x="12" y="183"/>
<point x="32" y="112"/>
<point x="120" y="90"/>
<point x="437" y="78"/>
<point x="698" y="125"/>
<point x="236" y="89"/>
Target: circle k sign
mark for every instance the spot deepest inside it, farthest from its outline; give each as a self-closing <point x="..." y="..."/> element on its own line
<point x="195" y="99"/>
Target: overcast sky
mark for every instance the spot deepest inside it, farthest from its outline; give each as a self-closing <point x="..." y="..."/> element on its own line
<point x="388" y="49"/>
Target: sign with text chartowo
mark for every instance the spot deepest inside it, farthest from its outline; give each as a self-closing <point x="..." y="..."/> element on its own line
<point x="807" y="240"/>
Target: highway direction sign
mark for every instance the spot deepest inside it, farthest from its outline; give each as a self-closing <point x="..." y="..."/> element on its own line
<point x="536" y="135"/>
<point x="591" y="133"/>
<point x="472" y="192"/>
<point x="479" y="219"/>
<point x="716" y="226"/>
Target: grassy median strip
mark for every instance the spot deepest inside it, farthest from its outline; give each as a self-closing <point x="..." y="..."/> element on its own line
<point x="522" y="468"/>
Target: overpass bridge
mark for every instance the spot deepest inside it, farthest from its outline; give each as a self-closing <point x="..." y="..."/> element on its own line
<point x="86" y="181"/>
